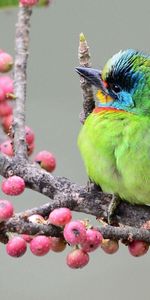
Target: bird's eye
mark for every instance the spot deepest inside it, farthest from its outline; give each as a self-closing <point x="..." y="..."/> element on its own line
<point x="115" y="88"/>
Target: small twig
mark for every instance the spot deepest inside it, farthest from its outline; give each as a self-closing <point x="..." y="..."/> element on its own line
<point x="20" y="79"/>
<point x="125" y="233"/>
<point x="19" y="226"/>
<point x="88" y="96"/>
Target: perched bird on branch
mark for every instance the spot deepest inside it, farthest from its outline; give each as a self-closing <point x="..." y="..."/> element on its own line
<point x="115" y="139"/>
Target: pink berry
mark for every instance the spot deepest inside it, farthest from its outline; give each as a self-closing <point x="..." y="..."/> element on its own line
<point x="60" y="216"/>
<point x="2" y="94"/>
<point x="138" y="248"/>
<point x="40" y="245"/>
<point x="6" y="62"/>
<point x="7" y="122"/>
<point x="6" y="83"/>
<point x="77" y="258"/>
<point x="93" y="240"/>
<point x="6" y="210"/>
<point x="36" y="219"/>
<point x="5" y="109"/>
<point x="29" y="135"/>
<point x="46" y="160"/>
<point x="16" y="247"/>
<point x="28" y="238"/>
<point x="13" y="185"/>
<point x="58" y="244"/>
<point x="7" y="148"/>
<point x="29" y="2"/>
<point x="109" y="246"/>
<point x="75" y="232"/>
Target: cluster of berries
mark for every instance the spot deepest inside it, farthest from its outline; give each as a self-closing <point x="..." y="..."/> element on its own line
<point x="6" y="88"/>
<point x="44" y="158"/>
<point x="77" y="234"/>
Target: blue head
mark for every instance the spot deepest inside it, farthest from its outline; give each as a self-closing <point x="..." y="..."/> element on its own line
<point x="124" y="82"/>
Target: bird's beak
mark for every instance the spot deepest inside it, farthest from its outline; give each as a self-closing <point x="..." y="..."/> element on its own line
<point x="93" y="76"/>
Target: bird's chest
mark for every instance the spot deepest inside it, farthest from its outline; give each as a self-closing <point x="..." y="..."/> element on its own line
<point x="115" y="149"/>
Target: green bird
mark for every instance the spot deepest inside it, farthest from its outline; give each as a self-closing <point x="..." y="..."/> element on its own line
<point x="115" y="139"/>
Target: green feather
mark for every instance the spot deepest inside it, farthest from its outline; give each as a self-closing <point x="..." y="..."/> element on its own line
<point x="115" y="146"/>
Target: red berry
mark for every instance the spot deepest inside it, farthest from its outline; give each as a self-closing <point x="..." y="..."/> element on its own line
<point x="13" y="185"/>
<point x="58" y="244"/>
<point x="16" y="247"/>
<point x="29" y="2"/>
<point x="93" y="240"/>
<point x="28" y="238"/>
<point x="75" y="232"/>
<point x="6" y="62"/>
<point x="60" y="216"/>
<point x="40" y="245"/>
<point x="77" y="258"/>
<point x="138" y="248"/>
<point x="110" y="246"/>
<point x="7" y="148"/>
<point x="6" y="83"/>
<point x="36" y="219"/>
<point x="6" y="210"/>
<point x="2" y="94"/>
<point x="29" y="135"/>
<point x="5" y="109"/>
<point x="7" y="122"/>
<point x="46" y="160"/>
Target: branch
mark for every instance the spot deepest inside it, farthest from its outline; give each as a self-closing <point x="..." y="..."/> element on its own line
<point x="68" y="194"/>
<point x="19" y="224"/>
<point x="20" y="79"/>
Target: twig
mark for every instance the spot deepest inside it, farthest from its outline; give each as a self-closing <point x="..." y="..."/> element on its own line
<point x="87" y="91"/>
<point x="19" y="226"/>
<point x="125" y="233"/>
<point x="20" y="79"/>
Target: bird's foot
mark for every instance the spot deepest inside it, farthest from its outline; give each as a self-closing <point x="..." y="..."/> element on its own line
<point x="112" y="207"/>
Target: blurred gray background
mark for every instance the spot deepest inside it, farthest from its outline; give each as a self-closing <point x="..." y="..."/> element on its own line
<point x="53" y="105"/>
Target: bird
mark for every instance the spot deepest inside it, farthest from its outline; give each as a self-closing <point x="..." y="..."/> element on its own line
<point x="114" y="141"/>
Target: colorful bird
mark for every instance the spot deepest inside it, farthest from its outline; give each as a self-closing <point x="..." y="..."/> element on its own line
<point x="115" y="139"/>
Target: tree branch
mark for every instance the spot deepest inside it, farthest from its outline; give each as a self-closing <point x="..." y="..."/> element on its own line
<point x="19" y="224"/>
<point x="20" y="80"/>
<point x="68" y="194"/>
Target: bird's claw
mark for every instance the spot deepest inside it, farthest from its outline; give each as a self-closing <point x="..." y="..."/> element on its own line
<point x="115" y="201"/>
